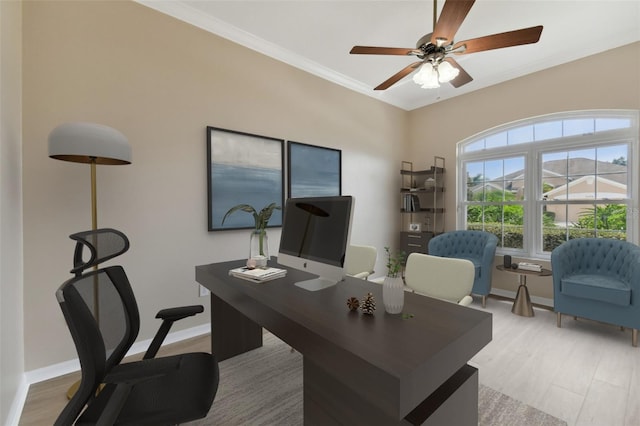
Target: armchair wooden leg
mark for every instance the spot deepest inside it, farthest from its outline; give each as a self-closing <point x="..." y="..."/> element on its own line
<point x="634" y="337"/>
<point x="559" y="319"/>
<point x="484" y="301"/>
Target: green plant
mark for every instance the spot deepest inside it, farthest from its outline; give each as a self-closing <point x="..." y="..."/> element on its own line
<point x="261" y="218"/>
<point x="395" y="262"/>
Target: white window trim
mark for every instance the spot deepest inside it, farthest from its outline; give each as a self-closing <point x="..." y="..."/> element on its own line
<point x="531" y="151"/>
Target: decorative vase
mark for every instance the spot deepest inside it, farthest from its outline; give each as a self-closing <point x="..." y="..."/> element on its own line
<point x="393" y="294"/>
<point x="259" y="247"/>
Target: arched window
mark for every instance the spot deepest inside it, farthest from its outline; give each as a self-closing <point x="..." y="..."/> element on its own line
<point x="539" y="182"/>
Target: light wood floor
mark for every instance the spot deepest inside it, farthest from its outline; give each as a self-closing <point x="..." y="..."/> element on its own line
<point x="586" y="373"/>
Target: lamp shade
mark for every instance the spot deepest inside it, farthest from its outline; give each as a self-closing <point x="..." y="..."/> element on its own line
<point x="427" y="76"/>
<point x="86" y="142"/>
<point x="446" y="72"/>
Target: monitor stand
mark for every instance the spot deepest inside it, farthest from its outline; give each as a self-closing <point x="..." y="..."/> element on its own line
<point x="316" y="284"/>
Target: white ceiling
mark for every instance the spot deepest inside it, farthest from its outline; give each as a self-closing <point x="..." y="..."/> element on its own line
<point x="316" y="36"/>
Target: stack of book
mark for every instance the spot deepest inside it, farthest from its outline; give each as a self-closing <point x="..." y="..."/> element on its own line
<point x="411" y="203"/>
<point x="529" y="266"/>
<point x="258" y="275"/>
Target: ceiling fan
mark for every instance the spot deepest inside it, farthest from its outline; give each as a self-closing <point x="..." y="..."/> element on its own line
<point x="434" y="49"/>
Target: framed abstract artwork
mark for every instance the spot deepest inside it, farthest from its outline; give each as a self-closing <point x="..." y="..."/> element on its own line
<point x="243" y="168"/>
<point x="313" y="171"/>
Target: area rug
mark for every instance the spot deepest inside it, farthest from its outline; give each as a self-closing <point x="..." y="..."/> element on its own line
<point x="264" y="387"/>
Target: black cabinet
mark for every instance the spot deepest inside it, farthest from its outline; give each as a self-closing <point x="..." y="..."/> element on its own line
<point x="417" y="242"/>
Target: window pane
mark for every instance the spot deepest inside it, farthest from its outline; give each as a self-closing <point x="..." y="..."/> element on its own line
<point x="603" y="124"/>
<point x="513" y="236"/>
<point x="514" y="166"/>
<point x="559" y="213"/>
<point x="612" y="187"/>
<point x="520" y="135"/>
<point x="579" y="126"/>
<point x="475" y="180"/>
<point x="474" y="146"/>
<point x="497" y="140"/>
<point x="494" y="191"/>
<point x="614" y="157"/>
<point x="554" y="168"/>
<point x="582" y="162"/>
<point x="548" y="130"/>
<point x="513" y="214"/>
<point x="474" y="217"/>
<point x="514" y="190"/>
<point x="552" y="234"/>
<point x="493" y="169"/>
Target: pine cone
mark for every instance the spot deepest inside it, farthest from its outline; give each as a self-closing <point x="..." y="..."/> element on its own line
<point x="368" y="305"/>
<point x="353" y="304"/>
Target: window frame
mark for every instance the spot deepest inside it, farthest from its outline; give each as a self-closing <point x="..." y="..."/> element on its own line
<point x="532" y="152"/>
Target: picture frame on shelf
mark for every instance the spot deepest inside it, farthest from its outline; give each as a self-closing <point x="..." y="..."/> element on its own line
<point x="313" y="171"/>
<point x="415" y="227"/>
<point x="242" y="168"/>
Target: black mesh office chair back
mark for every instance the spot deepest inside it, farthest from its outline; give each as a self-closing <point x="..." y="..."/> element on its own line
<point x="102" y="315"/>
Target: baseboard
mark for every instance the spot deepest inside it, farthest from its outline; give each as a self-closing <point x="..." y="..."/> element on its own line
<point x="73" y="365"/>
<point x="15" y="411"/>
<point x="543" y="301"/>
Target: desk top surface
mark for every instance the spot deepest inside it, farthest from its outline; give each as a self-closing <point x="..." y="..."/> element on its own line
<point x="437" y="340"/>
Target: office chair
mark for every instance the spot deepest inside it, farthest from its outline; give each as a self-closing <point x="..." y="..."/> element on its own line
<point x="102" y="315"/>
<point x="445" y="278"/>
<point x="360" y="261"/>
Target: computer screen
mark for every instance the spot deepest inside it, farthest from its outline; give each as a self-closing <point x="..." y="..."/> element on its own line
<point x="315" y="237"/>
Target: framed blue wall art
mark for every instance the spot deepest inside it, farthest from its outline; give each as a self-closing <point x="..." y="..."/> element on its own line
<point x="243" y="168"/>
<point x="313" y="171"/>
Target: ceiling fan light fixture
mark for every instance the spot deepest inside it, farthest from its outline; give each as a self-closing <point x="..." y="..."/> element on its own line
<point x="447" y="72"/>
<point x="427" y="76"/>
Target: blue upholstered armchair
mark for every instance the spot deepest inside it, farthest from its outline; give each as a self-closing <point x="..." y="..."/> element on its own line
<point x="599" y="279"/>
<point x="477" y="246"/>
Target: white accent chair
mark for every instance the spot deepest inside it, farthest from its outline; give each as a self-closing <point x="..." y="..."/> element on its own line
<point x="360" y="261"/>
<point x="443" y="278"/>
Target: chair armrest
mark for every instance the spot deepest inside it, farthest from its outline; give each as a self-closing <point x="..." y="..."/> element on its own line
<point x="168" y="317"/>
<point x="175" y="314"/>
<point x="361" y="275"/>
<point x="465" y="301"/>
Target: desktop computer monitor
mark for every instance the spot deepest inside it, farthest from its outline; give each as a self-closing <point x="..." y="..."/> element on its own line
<point x="315" y="237"/>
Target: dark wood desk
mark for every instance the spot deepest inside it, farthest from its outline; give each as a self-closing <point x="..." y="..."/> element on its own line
<point x="358" y="369"/>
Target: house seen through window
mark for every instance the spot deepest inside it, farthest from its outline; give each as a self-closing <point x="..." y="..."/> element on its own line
<point x="542" y="181"/>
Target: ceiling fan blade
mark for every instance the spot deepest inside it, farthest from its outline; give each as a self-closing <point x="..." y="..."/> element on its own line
<point x="372" y="50"/>
<point x="398" y="76"/>
<point x="451" y="17"/>
<point x="462" y="78"/>
<point x="498" y="41"/>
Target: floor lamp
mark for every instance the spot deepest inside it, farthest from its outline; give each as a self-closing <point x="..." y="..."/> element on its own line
<point x="93" y="144"/>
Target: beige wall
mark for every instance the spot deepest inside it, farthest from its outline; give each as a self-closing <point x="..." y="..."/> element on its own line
<point x="11" y="305"/>
<point x="161" y="82"/>
<point x="579" y="85"/>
